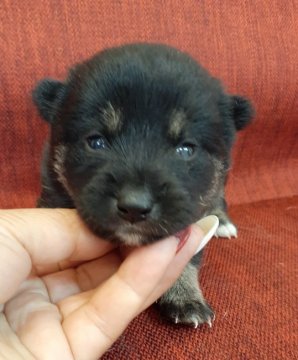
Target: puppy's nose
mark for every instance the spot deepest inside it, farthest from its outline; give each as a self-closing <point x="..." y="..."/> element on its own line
<point x="134" y="205"/>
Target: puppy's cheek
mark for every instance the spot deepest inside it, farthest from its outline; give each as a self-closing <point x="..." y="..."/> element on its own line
<point x="178" y="210"/>
<point x="59" y="166"/>
<point x="215" y="184"/>
<point x="95" y="208"/>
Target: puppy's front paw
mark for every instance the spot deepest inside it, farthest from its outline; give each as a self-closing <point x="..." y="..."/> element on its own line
<point x="191" y="313"/>
<point x="184" y="302"/>
<point x="226" y="230"/>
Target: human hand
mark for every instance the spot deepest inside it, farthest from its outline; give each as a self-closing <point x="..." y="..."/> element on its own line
<point x="67" y="294"/>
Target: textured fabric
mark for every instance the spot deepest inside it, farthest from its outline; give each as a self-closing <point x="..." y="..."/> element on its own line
<point x="252" y="46"/>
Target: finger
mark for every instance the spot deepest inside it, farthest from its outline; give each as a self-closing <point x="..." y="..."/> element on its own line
<point x="93" y="327"/>
<point x="10" y="345"/>
<point x="175" y="268"/>
<point x="71" y="299"/>
<point x="80" y="287"/>
<point x="40" y="237"/>
<point x="52" y="235"/>
<point x="37" y="322"/>
<point x="64" y="284"/>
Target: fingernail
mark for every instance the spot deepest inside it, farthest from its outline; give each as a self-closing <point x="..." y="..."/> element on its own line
<point x="208" y="225"/>
<point x="182" y="236"/>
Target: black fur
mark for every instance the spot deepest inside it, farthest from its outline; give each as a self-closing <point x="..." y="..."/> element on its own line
<point x="145" y="85"/>
<point x="47" y="96"/>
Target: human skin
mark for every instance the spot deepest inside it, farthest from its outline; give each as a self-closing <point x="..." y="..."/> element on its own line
<point x="63" y="290"/>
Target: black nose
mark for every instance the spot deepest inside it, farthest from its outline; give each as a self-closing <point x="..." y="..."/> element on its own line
<point x="134" y="205"/>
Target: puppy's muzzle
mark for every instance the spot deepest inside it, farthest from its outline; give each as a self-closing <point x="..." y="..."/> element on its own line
<point x="134" y="205"/>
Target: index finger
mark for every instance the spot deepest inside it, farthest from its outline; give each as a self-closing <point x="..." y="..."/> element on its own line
<point x="39" y="237"/>
<point x="93" y="327"/>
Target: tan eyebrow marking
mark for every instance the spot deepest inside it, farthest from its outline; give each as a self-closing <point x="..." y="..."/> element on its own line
<point x="112" y="118"/>
<point x="177" y="121"/>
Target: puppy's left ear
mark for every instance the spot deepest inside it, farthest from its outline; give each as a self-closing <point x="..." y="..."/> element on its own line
<point x="242" y="111"/>
<point x="47" y="96"/>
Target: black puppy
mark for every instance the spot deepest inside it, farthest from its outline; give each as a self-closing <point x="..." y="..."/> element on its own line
<point x="140" y="145"/>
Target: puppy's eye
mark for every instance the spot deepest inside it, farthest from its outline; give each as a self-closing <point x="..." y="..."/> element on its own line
<point x="96" y="142"/>
<point x="185" y="151"/>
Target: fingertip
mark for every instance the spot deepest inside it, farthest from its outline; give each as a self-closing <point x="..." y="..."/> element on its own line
<point x="190" y="239"/>
<point x="208" y="225"/>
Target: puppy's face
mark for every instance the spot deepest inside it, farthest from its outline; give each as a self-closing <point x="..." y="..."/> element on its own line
<point x="140" y="140"/>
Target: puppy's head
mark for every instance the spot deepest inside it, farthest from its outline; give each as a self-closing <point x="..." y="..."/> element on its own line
<point x="140" y="139"/>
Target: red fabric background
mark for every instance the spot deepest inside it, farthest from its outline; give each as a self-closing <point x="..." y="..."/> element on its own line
<point x="253" y="47"/>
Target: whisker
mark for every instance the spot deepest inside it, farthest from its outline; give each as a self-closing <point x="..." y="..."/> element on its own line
<point x="163" y="228"/>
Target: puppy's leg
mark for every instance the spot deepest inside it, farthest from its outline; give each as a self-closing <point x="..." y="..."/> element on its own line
<point x="215" y="203"/>
<point x="226" y="227"/>
<point x="184" y="303"/>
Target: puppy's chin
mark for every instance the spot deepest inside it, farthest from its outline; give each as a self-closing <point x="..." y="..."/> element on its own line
<point x="130" y="237"/>
<point x="136" y="235"/>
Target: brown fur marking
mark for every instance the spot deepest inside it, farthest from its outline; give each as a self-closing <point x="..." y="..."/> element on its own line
<point x="177" y="122"/>
<point x="112" y="118"/>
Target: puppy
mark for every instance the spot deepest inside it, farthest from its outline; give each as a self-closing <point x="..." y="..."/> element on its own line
<point x="140" y="145"/>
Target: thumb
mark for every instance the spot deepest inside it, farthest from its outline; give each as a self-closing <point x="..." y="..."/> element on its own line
<point x="95" y="326"/>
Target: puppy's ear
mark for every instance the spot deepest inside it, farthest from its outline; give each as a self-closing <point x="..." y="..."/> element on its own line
<point x="242" y="111"/>
<point x="47" y="96"/>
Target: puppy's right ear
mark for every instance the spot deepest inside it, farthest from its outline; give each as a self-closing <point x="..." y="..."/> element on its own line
<point x="243" y="111"/>
<point x="47" y="96"/>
